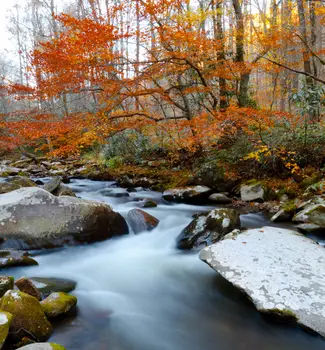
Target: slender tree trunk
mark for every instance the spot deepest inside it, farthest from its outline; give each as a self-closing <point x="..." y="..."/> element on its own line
<point x="243" y="98"/>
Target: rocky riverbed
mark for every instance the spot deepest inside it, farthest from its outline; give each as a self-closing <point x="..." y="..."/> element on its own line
<point x="138" y="290"/>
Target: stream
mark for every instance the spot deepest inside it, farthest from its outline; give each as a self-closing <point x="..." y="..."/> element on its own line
<point x="138" y="292"/>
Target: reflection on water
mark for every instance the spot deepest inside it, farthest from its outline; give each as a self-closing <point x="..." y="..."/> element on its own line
<point x="138" y="292"/>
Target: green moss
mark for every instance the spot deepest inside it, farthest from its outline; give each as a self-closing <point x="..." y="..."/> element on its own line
<point x="58" y="303"/>
<point x="57" y="347"/>
<point x="27" y="315"/>
<point x="6" y="319"/>
<point x="283" y="315"/>
<point x="289" y="206"/>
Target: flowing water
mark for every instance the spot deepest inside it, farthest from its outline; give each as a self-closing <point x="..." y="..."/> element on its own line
<point x="138" y="292"/>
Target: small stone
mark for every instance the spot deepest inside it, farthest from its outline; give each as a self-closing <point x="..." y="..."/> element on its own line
<point x="140" y="221"/>
<point x="219" y="198"/>
<point x="11" y="257"/>
<point x="27" y="286"/>
<point x="57" y="304"/>
<point x="149" y="204"/>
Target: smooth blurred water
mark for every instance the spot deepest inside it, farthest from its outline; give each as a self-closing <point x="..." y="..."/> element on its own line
<point x="138" y="292"/>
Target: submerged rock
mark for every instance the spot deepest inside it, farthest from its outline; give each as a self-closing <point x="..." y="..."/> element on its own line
<point x="253" y="192"/>
<point x="219" y="198"/>
<point x="148" y="203"/>
<point x="48" y="285"/>
<point x="42" y="346"/>
<point x="5" y="322"/>
<point x="280" y="270"/>
<point x="57" y="304"/>
<point x="6" y="283"/>
<point x="140" y="221"/>
<point x="28" y="317"/>
<point x="12" y="257"/>
<point x="34" y="218"/>
<point x="27" y="286"/>
<point x="191" y="194"/>
<point x="208" y="228"/>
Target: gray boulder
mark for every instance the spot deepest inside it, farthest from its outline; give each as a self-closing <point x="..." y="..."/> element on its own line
<point x="191" y="194"/>
<point x="208" y="228"/>
<point x="253" y="192"/>
<point x="281" y="271"/>
<point x="34" y="218"/>
<point x="141" y="221"/>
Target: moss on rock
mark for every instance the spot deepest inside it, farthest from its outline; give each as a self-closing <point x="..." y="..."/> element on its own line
<point x="28" y="316"/>
<point x="5" y="321"/>
<point x="57" y="304"/>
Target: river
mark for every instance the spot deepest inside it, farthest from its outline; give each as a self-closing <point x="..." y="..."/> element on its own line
<point x="138" y="292"/>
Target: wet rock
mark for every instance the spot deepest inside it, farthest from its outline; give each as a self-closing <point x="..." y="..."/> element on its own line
<point x="53" y="184"/>
<point x="28" y="316"/>
<point x="149" y="204"/>
<point x="141" y="221"/>
<point x="310" y="228"/>
<point x="191" y="194"/>
<point x="280" y="270"/>
<point x="312" y="214"/>
<point x="27" y="286"/>
<point x="117" y="194"/>
<point x="64" y="191"/>
<point x="219" y="198"/>
<point x="34" y="218"/>
<point x="208" y="228"/>
<point x="5" y="322"/>
<point x="10" y="257"/>
<point x="6" y="283"/>
<point x="281" y="216"/>
<point x="57" y="304"/>
<point x="48" y="285"/>
<point x="253" y="192"/>
<point x="42" y="346"/>
<point x="14" y="183"/>
<point x="9" y="170"/>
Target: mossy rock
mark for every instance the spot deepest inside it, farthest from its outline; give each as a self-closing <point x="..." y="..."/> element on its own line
<point x="5" y="321"/>
<point x="6" y="283"/>
<point x="11" y="257"/>
<point x="16" y="182"/>
<point x="208" y="228"/>
<point x="28" y="316"/>
<point x="281" y="315"/>
<point x="43" y="346"/>
<point x="57" y="304"/>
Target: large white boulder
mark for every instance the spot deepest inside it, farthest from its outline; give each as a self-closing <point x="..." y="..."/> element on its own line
<point x="34" y="218"/>
<point x="281" y="271"/>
